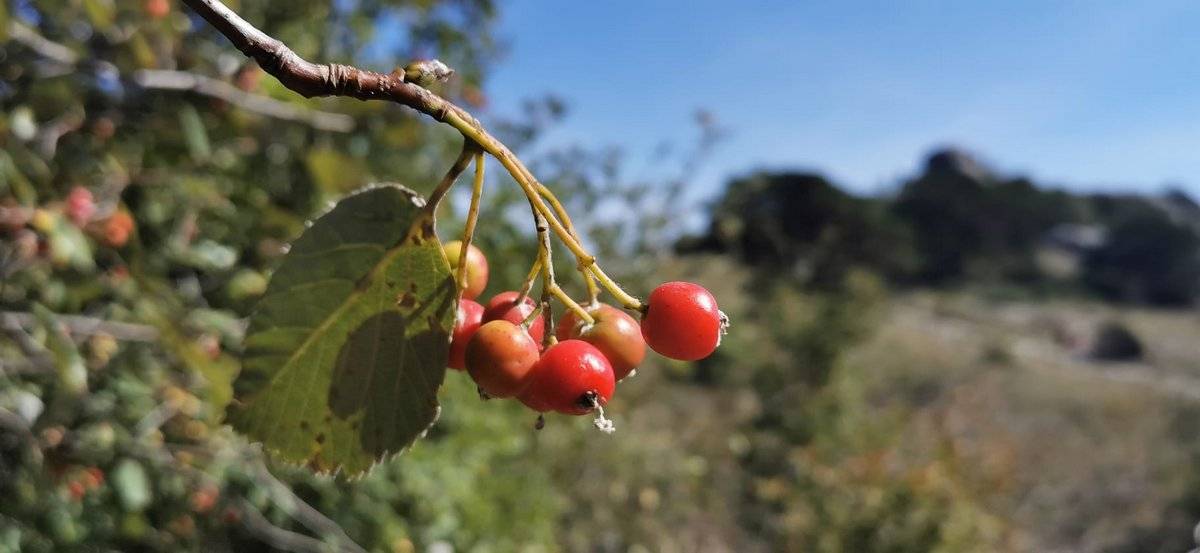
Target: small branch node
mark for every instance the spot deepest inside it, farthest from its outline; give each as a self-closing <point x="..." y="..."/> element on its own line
<point x="424" y="73"/>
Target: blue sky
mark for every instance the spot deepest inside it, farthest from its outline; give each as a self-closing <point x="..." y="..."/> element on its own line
<point x="1090" y="95"/>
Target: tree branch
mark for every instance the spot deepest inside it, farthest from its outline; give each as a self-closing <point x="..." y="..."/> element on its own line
<point x="403" y="87"/>
<point x="278" y="537"/>
<point x="77" y="324"/>
<point x="300" y="510"/>
<point x="154" y="79"/>
<point x="262" y="105"/>
<point x="312" y="79"/>
<point x="43" y="46"/>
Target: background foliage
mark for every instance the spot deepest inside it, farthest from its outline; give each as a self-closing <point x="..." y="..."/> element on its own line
<point x="849" y="410"/>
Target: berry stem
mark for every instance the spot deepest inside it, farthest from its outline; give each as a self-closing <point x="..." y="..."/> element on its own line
<point x="613" y="288"/>
<point x="533" y="315"/>
<point x="527" y="284"/>
<point x="469" y="149"/>
<point x="572" y="304"/>
<point x="521" y="174"/>
<point x="472" y="218"/>
<point x="590" y="281"/>
<point x="549" y="285"/>
<point x="549" y="339"/>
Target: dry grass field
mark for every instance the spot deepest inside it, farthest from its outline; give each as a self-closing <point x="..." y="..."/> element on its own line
<point x="1067" y="452"/>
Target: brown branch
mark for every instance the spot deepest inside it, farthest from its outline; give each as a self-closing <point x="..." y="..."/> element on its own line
<point x="312" y="79"/>
<point x="403" y="87"/>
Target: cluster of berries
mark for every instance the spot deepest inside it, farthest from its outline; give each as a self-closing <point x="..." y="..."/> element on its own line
<point x="502" y="345"/>
<point x="111" y="226"/>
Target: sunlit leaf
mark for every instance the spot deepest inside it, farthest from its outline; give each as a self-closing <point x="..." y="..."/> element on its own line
<point x="347" y="349"/>
<point x="100" y="12"/>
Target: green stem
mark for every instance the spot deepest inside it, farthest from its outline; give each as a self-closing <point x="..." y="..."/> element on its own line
<point x="472" y="217"/>
<point x="460" y="165"/>
<point x="549" y="286"/>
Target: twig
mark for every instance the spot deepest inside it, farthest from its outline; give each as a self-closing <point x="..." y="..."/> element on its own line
<point x="277" y="537"/>
<point x="35" y="354"/>
<point x="13" y="367"/>
<point x="460" y="165"/>
<point x="16" y="423"/>
<point x="49" y="135"/>
<point x="45" y="47"/>
<point x="155" y="419"/>
<point x="155" y="79"/>
<point x="77" y="324"/>
<point x="162" y="79"/>
<point x="312" y="79"/>
<point x="304" y="513"/>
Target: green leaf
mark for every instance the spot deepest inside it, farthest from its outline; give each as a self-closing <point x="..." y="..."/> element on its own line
<point x="72" y="372"/>
<point x="346" y="351"/>
<point x="100" y="12"/>
<point x="132" y="485"/>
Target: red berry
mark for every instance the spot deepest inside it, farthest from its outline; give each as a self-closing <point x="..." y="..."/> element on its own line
<point x="117" y="229"/>
<point x="93" y="477"/>
<point x="503" y="306"/>
<point x="203" y="499"/>
<point x="76" y="489"/>
<point x="615" y="334"/>
<point x="567" y="378"/>
<point x="682" y="321"/>
<point x="468" y="320"/>
<point x="477" y="267"/>
<point x="157" y="9"/>
<point x="80" y="206"/>
<point x="499" y="358"/>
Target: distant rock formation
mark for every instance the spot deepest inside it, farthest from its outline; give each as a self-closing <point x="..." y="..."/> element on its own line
<point x="956" y="160"/>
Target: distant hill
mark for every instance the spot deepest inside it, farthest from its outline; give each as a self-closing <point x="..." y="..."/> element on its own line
<point x="959" y="221"/>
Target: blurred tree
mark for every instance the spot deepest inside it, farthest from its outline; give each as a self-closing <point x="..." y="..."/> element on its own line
<point x="968" y="223"/>
<point x="802" y="221"/>
<point x="1147" y="258"/>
